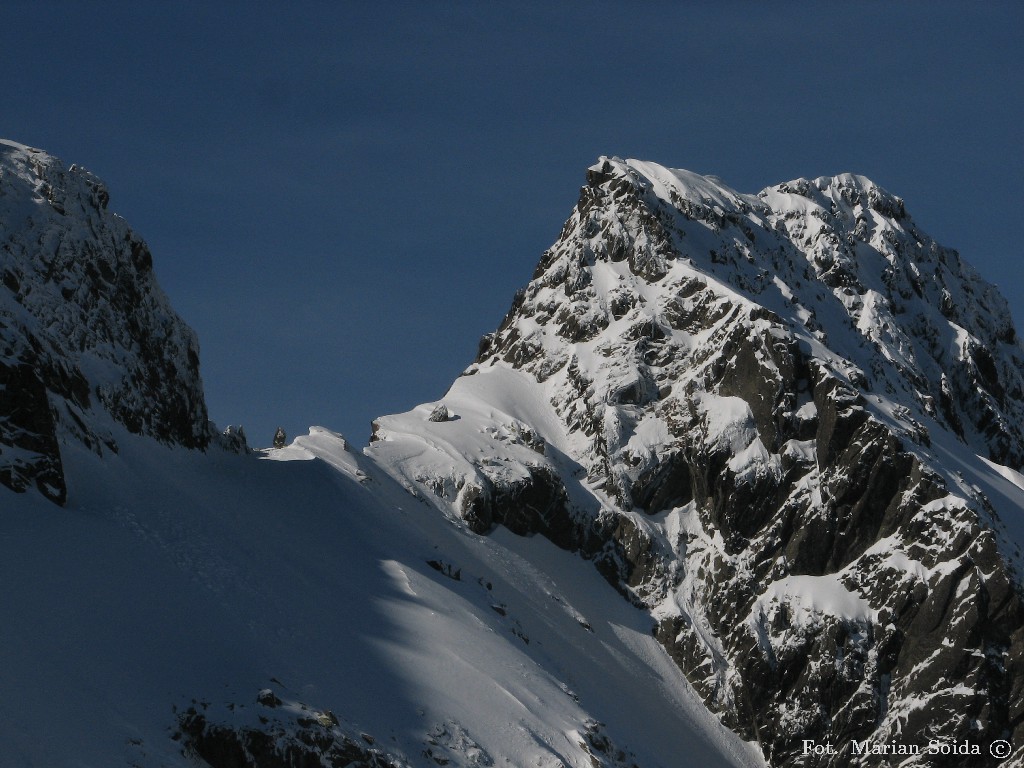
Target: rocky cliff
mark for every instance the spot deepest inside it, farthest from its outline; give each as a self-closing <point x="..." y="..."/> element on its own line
<point x="86" y="334"/>
<point x="787" y="425"/>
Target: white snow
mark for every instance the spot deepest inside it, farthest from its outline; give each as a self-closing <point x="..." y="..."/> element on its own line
<point x="729" y="421"/>
<point x="1006" y="473"/>
<point x="811" y="595"/>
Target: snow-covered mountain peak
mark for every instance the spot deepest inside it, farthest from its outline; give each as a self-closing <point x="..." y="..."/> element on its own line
<point x="670" y="184"/>
<point x="223" y="607"/>
<point x="86" y="334"/>
<point x="51" y="180"/>
<point x="835" y="264"/>
<point x="745" y="409"/>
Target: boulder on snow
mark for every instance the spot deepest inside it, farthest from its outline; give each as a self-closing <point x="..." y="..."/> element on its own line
<point x="439" y="413"/>
<point x="268" y="698"/>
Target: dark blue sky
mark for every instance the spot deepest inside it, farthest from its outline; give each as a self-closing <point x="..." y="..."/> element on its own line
<point x="342" y="197"/>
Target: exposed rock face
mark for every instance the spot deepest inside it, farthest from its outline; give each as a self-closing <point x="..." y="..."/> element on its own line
<point x="755" y="400"/>
<point x="275" y="734"/>
<point x="233" y="439"/>
<point x="85" y="331"/>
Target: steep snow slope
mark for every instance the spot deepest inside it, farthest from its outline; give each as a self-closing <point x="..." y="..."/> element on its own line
<point x="783" y="424"/>
<point x="383" y="631"/>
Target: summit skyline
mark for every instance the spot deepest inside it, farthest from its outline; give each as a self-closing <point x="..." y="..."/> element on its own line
<point x="342" y="200"/>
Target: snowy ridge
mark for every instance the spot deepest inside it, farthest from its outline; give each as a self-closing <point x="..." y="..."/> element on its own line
<point x="202" y="606"/>
<point x="747" y="408"/>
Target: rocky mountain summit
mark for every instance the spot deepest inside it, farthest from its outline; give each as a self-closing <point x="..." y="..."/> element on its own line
<point x="787" y="425"/>
<point x="86" y="334"/>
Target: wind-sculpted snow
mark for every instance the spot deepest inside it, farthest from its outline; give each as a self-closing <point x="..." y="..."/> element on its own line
<point x="85" y="331"/>
<point x="784" y="425"/>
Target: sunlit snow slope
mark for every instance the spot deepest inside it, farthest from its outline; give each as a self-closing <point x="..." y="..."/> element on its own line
<point x="174" y="580"/>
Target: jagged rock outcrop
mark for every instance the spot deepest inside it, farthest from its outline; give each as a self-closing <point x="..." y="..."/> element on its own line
<point x="273" y="733"/>
<point x="749" y="406"/>
<point x="86" y="334"/>
<point x="233" y="439"/>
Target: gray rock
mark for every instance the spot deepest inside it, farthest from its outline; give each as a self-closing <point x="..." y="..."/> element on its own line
<point x="439" y="413"/>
